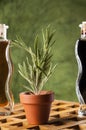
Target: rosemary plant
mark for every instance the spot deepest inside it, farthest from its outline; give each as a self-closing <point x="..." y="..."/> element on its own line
<point x="38" y="70"/>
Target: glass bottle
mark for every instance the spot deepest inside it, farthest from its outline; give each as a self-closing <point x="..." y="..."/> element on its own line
<point x="80" y="53"/>
<point x="6" y="69"/>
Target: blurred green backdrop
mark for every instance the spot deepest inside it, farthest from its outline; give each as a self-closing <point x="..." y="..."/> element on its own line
<point x="26" y="18"/>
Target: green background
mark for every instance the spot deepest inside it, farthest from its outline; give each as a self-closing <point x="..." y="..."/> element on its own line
<point x="26" y="18"/>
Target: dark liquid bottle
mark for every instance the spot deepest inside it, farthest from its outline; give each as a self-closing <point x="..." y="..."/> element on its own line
<point x="80" y="51"/>
<point x="6" y="69"/>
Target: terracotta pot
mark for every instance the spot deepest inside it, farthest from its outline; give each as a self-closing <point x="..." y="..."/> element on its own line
<point x="37" y="107"/>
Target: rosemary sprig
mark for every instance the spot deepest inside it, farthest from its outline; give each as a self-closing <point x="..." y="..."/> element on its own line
<point x="37" y="71"/>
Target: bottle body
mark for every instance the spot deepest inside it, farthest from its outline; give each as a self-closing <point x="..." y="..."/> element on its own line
<point x="80" y="51"/>
<point x="6" y="69"/>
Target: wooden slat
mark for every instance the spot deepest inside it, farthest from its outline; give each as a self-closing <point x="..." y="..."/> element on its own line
<point x="63" y="116"/>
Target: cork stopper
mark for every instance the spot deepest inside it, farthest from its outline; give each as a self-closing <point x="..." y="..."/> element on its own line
<point x="83" y="30"/>
<point x="3" y="31"/>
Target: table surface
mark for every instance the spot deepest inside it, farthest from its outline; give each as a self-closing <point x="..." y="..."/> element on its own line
<point x="63" y="116"/>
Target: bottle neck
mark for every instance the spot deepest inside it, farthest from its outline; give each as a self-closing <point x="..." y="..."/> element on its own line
<point x="3" y="32"/>
<point x="83" y="30"/>
<point x="83" y="35"/>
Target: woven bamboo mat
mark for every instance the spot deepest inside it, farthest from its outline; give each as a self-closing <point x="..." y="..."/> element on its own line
<point x="63" y="116"/>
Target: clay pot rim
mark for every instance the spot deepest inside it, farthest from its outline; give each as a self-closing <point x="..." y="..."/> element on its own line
<point x="44" y="96"/>
<point x="44" y="92"/>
